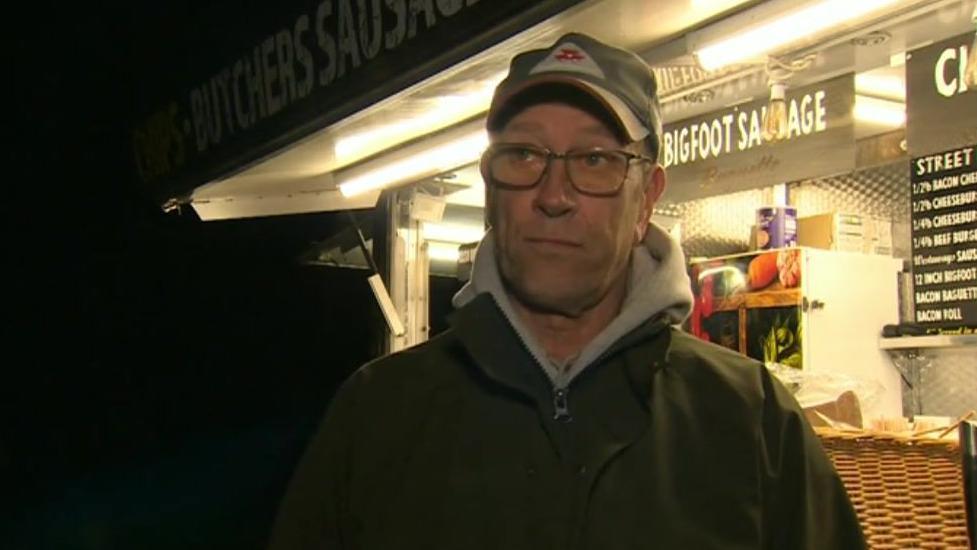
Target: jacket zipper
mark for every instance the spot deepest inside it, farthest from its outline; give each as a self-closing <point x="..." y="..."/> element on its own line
<point x="561" y="410"/>
<point x="561" y="406"/>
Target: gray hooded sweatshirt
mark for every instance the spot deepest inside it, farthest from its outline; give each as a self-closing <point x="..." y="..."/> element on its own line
<point x="658" y="284"/>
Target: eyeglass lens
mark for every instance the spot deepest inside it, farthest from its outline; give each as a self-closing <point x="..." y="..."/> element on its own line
<point x="595" y="171"/>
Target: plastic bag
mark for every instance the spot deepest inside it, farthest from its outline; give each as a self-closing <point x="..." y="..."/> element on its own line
<point x="811" y="389"/>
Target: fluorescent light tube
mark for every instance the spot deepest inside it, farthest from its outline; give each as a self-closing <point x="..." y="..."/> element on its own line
<point x="423" y="163"/>
<point x="448" y="110"/>
<point x="442" y="252"/>
<point x="452" y="233"/>
<point x="757" y="40"/>
<point x="880" y="111"/>
<point x="437" y="113"/>
<point x="886" y="86"/>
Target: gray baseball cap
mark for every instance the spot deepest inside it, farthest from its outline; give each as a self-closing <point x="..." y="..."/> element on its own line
<point x="618" y="79"/>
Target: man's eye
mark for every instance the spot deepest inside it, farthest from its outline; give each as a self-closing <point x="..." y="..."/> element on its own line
<point x="594" y="158"/>
<point x="522" y="154"/>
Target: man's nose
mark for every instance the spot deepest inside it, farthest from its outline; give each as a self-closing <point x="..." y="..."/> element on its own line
<point x="555" y="195"/>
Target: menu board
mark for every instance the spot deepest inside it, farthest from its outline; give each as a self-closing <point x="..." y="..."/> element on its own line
<point x="940" y="110"/>
<point x="944" y="238"/>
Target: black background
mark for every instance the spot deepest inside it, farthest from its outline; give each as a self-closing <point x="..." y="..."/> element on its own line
<point x="161" y="374"/>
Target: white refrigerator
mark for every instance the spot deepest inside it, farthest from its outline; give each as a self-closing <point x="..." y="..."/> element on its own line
<point x="814" y="315"/>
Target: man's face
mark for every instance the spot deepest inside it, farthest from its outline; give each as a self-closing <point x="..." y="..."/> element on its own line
<point x="560" y="251"/>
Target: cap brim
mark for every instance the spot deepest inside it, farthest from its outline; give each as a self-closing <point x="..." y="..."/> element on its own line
<point x="628" y="121"/>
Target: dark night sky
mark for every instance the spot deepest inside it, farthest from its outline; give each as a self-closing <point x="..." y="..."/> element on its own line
<point x="164" y="374"/>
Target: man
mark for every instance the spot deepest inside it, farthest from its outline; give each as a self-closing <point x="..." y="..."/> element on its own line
<point x="563" y="409"/>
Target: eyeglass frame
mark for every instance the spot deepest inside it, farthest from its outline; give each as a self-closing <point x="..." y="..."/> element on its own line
<point x="550" y="155"/>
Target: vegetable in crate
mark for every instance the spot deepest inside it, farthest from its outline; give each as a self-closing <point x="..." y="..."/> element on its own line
<point x="762" y="270"/>
<point x="781" y="344"/>
<point x="789" y="266"/>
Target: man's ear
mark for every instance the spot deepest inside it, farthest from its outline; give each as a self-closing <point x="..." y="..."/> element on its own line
<point x="489" y="210"/>
<point x="652" y="189"/>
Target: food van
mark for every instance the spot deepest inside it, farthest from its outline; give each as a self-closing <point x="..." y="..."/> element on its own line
<point x="858" y="125"/>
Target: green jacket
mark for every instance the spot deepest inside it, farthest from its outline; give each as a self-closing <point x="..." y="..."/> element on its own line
<point x="671" y="443"/>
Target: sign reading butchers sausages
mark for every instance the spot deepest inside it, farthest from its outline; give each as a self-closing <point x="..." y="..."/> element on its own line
<point x="224" y="99"/>
<point x="724" y="151"/>
<point x="944" y="237"/>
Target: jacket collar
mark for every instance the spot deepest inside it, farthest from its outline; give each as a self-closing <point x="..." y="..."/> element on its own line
<point x="501" y="355"/>
<point x="658" y="288"/>
<point x="498" y="352"/>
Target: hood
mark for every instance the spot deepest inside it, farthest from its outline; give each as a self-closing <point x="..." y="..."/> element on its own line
<point x="658" y="285"/>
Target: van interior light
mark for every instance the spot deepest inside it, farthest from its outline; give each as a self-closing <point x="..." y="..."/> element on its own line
<point x="750" y="42"/>
<point x="452" y="233"/>
<point x="897" y="59"/>
<point x="779" y="72"/>
<point x="444" y="252"/>
<point x="716" y="5"/>
<point x="880" y="111"/>
<point x="877" y="85"/>
<point x="775" y="120"/>
<point x="440" y="113"/>
<point x="425" y="163"/>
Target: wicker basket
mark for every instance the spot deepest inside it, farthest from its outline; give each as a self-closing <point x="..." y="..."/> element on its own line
<point x="908" y="492"/>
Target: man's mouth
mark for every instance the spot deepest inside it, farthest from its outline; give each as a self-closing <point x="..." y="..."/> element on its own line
<point x="553" y="241"/>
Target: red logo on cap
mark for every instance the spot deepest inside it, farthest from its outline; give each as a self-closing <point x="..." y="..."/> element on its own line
<point x="569" y="54"/>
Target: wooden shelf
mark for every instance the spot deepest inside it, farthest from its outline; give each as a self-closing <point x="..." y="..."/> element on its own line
<point x="768" y="298"/>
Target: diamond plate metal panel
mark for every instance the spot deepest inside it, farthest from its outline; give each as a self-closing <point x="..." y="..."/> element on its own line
<point x="716" y="226"/>
<point x="880" y="192"/>
<point x="720" y="225"/>
<point x="950" y="382"/>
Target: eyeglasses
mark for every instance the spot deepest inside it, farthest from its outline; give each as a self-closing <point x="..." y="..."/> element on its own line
<point x="594" y="171"/>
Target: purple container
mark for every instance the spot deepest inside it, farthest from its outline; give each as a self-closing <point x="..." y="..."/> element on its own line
<point x="776" y="227"/>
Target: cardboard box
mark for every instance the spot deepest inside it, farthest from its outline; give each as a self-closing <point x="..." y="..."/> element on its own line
<point x="878" y="236"/>
<point x="846" y="232"/>
<point x="832" y="231"/>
